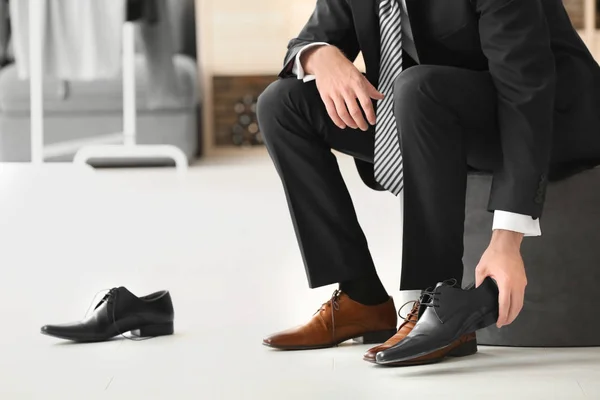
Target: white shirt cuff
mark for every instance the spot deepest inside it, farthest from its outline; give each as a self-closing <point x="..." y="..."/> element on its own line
<point x="517" y="223"/>
<point x="297" y="67"/>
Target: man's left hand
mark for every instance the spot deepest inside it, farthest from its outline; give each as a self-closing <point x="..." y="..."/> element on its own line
<point x="502" y="262"/>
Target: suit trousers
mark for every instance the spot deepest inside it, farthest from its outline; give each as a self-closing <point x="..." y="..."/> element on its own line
<point x="446" y="120"/>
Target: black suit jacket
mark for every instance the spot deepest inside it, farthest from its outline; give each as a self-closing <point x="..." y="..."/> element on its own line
<point x="543" y="72"/>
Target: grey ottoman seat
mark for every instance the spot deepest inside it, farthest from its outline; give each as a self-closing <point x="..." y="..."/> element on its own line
<point x="563" y="265"/>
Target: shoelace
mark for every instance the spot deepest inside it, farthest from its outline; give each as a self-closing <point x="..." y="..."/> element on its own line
<point x="108" y="293"/>
<point x="433" y="302"/>
<point x="107" y="297"/>
<point x="433" y="296"/>
<point x="335" y="305"/>
<point x="110" y="298"/>
<point x="412" y="316"/>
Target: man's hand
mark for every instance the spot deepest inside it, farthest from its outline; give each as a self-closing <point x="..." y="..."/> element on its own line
<point x="502" y="262"/>
<point x="342" y="87"/>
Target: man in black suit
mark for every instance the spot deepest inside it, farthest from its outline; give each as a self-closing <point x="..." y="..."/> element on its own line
<point x="502" y="86"/>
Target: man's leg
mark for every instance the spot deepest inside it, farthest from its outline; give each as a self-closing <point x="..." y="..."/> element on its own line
<point x="299" y="136"/>
<point x="446" y="120"/>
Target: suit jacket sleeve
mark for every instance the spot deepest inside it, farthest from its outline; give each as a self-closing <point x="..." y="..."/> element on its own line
<point x="330" y="22"/>
<point x="516" y="40"/>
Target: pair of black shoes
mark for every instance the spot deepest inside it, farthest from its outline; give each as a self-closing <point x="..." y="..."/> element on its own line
<point x="119" y="312"/>
<point x="447" y="314"/>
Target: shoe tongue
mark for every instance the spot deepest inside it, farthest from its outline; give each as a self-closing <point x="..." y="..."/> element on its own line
<point x="125" y="294"/>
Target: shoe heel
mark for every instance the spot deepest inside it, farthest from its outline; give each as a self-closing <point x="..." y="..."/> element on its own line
<point x="465" y="349"/>
<point x="375" y="337"/>
<point x="488" y="320"/>
<point x="154" y="330"/>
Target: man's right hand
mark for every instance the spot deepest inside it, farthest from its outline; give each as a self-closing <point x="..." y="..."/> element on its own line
<point x="342" y="87"/>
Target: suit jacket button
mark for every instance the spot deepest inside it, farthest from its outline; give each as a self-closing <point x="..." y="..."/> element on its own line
<point x="539" y="199"/>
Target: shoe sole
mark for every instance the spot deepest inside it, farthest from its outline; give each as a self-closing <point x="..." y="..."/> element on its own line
<point x="374" y="337"/>
<point x="145" y="331"/>
<point x="463" y="350"/>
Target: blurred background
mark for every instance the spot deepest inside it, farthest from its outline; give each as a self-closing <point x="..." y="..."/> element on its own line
<point x="224" y="53"/>
<point x="135" y="88"/>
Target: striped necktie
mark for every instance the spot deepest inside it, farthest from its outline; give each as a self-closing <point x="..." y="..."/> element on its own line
<point x="388" y="156"/>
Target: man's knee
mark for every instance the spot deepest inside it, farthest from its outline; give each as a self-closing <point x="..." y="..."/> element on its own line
<point x="269" y="99"/>
<point x="273" y="101"/>
<point x="271" y="108"/>
<point x="410" y="84"/>
<point x="414" y="97"/>
<point x="416" y="89"/>
<point x="279" y="103"/>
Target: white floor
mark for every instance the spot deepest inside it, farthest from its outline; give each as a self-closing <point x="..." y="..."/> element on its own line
<point x="221" y="240"/>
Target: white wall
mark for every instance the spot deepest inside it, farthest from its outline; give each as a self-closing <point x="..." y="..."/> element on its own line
<point x="249" y="37"/>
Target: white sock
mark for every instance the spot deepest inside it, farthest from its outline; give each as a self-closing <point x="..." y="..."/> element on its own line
<point x="410" y="294"/>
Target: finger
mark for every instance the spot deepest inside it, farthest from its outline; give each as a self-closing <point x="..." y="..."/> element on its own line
<point x="372" y="92"/>
<point x="342" y="111"/>
<point x="356" y="113"/>
<point x="331" y="110"/>
<point x="367" y="106"/>
<point x="503" y="304"/>
<point x="516" y="305"/>
<point x="480" y="275"/>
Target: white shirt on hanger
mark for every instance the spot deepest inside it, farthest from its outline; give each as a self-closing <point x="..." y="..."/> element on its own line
<point x="81" y="38"/>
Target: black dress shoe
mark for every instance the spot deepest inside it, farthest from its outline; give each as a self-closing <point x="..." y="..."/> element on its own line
<point x="450" y="312"/>
<point x="118" y="312"/>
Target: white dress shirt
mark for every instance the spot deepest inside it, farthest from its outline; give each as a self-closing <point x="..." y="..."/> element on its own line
<point x="502" y="219"/>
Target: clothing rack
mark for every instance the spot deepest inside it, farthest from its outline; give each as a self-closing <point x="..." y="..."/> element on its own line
<point x="121" y="145"/>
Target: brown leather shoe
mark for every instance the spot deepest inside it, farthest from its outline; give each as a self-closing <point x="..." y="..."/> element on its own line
<point x="338" y="320"/>
<point x="405" y="328"/>
<point x="465" y="346"/>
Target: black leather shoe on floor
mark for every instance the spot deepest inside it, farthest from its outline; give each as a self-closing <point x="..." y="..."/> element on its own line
<point x="450" y="313"/>
<point x="119" y="312"/>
